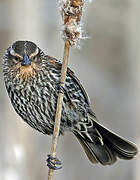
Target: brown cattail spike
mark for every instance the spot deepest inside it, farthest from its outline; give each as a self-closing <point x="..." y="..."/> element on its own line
<point x="71" y="11"/>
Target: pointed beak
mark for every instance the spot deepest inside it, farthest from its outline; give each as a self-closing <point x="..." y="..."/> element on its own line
<point x="26" y="61"/>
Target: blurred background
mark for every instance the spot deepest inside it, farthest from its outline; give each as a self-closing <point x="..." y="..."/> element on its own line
<point x="108" y="67"/>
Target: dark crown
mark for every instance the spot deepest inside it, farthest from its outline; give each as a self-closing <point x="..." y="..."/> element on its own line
<point x="24" y="47"/>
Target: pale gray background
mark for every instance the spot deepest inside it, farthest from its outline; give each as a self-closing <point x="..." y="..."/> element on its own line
<point x="107" y="64"/>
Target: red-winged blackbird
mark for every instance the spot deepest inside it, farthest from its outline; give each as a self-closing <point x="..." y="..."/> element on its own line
<point x="32" y="80"/>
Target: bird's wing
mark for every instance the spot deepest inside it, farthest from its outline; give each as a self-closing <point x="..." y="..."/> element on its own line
<point x="70" y="73"/>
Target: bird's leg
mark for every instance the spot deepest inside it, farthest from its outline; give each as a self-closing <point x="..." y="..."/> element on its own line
<point x="52" y="162"/>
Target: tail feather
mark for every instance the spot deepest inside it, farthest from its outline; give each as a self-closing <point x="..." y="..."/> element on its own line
<point x="87" y="149"/>
<point x="108" y="147"/>
<point x="97" y="152"/>
<point x="123" y="147"/>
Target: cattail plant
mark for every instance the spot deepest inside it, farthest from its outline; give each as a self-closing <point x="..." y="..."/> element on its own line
<point x="71" y="11"/>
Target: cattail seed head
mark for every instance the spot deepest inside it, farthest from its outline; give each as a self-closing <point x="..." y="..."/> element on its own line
<point x="71" y="11"/>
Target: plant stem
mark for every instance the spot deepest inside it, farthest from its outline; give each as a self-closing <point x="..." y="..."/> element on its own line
<point x="59" y="106"/>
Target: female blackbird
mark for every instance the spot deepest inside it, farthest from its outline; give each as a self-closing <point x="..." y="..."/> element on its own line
<point x="32" y="80"/>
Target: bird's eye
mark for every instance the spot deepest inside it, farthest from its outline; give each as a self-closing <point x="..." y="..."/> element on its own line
<point x="34" y="57"/>
<point x="16" y="58"/>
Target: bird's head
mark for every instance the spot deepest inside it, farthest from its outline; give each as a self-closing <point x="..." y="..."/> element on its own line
<point x="23" y="59"/>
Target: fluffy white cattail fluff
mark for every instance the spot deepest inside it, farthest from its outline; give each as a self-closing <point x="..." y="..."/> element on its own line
<point x="71" y="11"/>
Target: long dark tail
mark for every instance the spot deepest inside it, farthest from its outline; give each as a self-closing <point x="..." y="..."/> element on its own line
<point x="102" y="145"/>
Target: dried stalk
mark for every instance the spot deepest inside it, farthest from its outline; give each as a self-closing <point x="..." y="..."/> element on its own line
<point x="59" y="106"/>
<point x="71" y="11"/>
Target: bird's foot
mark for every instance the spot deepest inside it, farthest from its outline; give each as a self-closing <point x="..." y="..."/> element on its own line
<point x="52" y="162"/>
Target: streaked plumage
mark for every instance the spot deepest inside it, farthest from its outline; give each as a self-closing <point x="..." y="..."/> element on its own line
<point x="32" y="80"/>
